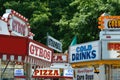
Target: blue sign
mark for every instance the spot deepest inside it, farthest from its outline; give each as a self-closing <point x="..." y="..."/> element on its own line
<point x="18" y="72"/>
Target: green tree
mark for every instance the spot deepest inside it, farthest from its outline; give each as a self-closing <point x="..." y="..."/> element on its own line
<point x="83" y="21"/>
<point x="62" y="19"/>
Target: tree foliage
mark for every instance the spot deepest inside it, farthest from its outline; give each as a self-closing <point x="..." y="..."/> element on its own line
<point x="62" y="19"/>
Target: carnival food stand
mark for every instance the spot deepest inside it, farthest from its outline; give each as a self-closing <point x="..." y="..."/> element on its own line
<point x="60" y="69"/>
<point x="18" y="50"/>
<point x="99" y="60"/>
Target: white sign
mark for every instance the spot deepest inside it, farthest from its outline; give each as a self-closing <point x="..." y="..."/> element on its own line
<point x="40" y="52"/>
<point x="111" y="49"/>
<point x="54" y="44"/>
<point x="85" y="74"/>
<point x="85" y="52"/>
<point x="68" y="73"/>
<point x="4" y="28"/>
<point x="46" y="72"/>
<point x="17" y="25"/>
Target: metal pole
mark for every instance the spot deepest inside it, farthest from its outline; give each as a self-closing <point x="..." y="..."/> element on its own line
<point x="4" y="69"/>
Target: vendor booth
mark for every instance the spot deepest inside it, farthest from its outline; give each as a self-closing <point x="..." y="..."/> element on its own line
<point x="18" y="50"/>
<point x="99" y="60"/>
<point x="60" y="69"/>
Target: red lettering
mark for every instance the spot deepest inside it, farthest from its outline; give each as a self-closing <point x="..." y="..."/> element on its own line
<point x="36" y="72"/>
<point x="36" y="50"/>
<point x="48" y="55"/>
<point x="32" y="49"/>
<point x="18" y="27"/>
<point x="40" y="72"/>
<point x="41" y="52"/>
<point x="59" y="58"/>
<point x="113" y="46"/>
<point x="45" y="53"/>
<point x="45" y="72"/>
<point x="14" y="25"/>
<point x="56" y="72"/>
<point x="50" y="72"/>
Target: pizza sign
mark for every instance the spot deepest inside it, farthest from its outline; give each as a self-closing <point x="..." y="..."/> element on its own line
<point x="46" y="72"/>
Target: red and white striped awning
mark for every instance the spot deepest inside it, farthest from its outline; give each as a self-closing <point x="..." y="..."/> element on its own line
<point x="26" y="59"/>
<point x="15" y="48"/>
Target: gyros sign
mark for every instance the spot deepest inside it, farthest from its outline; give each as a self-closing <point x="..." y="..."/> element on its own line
<point x="40" y="52"/>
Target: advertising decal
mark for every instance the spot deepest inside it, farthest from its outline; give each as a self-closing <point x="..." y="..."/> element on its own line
<point x="85" y="52"/>
<point x="54" y="44"/>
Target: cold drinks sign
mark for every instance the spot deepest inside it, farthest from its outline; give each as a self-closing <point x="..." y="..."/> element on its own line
<point x="85" y="52"/>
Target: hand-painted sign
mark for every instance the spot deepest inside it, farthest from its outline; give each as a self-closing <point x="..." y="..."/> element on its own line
<point x="54" y="44"/>
<point x="85" y="52"/>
